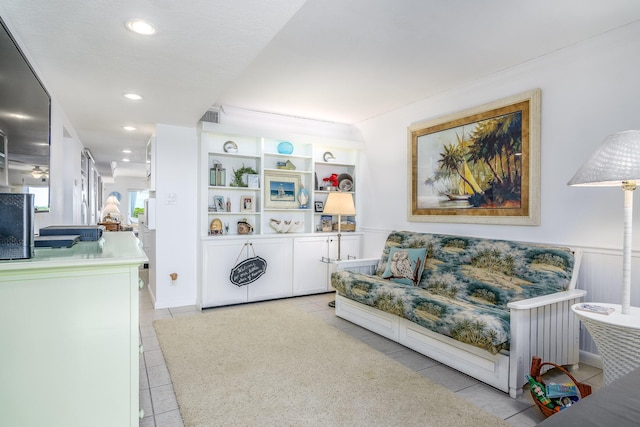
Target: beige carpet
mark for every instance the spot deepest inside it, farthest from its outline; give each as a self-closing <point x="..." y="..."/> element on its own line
<point x="274" y="365"/>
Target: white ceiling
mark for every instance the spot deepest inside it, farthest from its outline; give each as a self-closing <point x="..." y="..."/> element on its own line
<point x="333" y="60"/>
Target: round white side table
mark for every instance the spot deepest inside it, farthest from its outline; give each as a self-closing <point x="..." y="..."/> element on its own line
<point x="617" y="337"/>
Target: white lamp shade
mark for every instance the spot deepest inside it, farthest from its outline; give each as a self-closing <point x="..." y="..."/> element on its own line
<point x="112" y="200"/>
<point x="110" y="209"/>
<point x="616" y="164"/>
<point x="616" y="161"/>
<point x="339" y="203"/>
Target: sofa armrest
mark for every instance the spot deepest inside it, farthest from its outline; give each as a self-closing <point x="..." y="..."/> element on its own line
<point x="364" y="265"/>
<point x="528" y="304"/>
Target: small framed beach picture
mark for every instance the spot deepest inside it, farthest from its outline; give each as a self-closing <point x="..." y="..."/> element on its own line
<point x="325" y="222"/>
<point x="280" y="190"/>
<point x="253" y="180"/>
<point x="247" y="204"/>
<point x="218" y="202"/>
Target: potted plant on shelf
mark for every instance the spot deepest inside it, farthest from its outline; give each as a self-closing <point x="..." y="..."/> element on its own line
<point x="239" y="179"/>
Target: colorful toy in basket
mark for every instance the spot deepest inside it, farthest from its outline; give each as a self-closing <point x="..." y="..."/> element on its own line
<point x="559" y="396"/>
<point x="537" y="390"/>
<point x="561" y="390"/>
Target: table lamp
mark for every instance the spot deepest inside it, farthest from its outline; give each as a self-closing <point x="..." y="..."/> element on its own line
<point x="339" y="203"/>
<point x="111" y="208"/>
<point x="616" y="164"/>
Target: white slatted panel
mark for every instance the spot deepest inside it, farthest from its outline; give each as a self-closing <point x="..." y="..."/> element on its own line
<point x="601" y="276"/>
<point x="553" y="329"/>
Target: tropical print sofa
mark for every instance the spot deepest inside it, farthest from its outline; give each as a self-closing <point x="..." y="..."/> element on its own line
<point x="458" y="286"/>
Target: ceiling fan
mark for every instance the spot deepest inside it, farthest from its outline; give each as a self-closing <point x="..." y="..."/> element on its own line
<point x="37" y="172"/>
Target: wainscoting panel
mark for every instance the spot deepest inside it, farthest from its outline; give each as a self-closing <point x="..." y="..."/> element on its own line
<point x="601" y="276"/>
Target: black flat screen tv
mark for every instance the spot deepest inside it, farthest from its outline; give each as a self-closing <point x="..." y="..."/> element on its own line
<point x="25" y="125"/>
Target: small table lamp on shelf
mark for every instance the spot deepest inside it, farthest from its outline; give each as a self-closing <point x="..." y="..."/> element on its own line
<point x="339" y="203"/>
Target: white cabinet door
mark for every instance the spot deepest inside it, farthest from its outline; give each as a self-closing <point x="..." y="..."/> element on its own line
<point x="219" y="258"/>
<point x="277" y="282"/>
<point x="309" y="271"/>
<point x="311" y="275"/>
<point x="67" y="348"/>
<point x="349" y="247"/>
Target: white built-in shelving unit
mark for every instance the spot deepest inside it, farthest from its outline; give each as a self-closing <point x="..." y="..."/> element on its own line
<point x="294" y="258"/>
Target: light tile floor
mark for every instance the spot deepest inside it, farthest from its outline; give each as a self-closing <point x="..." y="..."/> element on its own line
<point x="158" y="400"/>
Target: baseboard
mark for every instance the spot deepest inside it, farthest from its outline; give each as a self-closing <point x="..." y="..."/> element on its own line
<point x="152" y="296"/>
<point x="591" y="359"/>
<point x="173" y="303"/>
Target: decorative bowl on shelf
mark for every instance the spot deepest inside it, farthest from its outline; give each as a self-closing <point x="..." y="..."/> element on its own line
<point x="285" y="226"/>
<point x="285" y="147"/>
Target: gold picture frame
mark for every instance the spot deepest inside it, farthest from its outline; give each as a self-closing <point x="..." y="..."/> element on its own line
<point x="479" y="166"/>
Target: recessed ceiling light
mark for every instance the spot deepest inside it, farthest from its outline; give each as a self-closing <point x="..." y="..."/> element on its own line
<point x="129" y="128"/>
<point x="126" y="160"/>
<point x="133" y="96"/>
<point x="126" y="151"/>
<point x="140" y="26"/>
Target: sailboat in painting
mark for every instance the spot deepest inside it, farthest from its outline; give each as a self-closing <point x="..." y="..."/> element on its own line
<point x="467" y="184"/>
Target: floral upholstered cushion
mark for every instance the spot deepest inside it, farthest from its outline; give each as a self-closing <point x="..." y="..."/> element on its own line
<point x="466" y="284"/>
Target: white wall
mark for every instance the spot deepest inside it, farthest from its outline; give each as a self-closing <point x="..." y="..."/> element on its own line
<point x="71" y="172"/>
<point x="124" y="184"/>
<point x="176" y="166"/>
<point x="588" y="92"/>
<point x="64" y="167"/>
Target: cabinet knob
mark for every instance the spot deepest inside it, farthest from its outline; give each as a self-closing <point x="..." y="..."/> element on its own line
<point x="141" y="349"/>
<point x="140" y="283"/>
<point x="141" y="413"/>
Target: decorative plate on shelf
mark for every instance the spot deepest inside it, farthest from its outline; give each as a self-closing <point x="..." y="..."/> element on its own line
<point x="345" y="182"/>
<point x="230" y="147"/>
<point x="328" y="157"/>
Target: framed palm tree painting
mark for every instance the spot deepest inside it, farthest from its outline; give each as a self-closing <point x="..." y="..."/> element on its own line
<point x="480" y="165"/>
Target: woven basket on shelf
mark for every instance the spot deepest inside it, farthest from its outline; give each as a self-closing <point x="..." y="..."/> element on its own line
<point x="536" y="365"/>
<point x="345" y="227"/>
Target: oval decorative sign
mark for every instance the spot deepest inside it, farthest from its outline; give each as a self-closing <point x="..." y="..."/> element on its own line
<point x="249" y="270"/>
